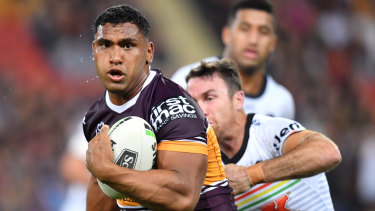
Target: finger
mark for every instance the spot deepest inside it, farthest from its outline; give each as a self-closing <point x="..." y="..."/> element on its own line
<point x="104" y="129"/>
<point x="103" y="132"/>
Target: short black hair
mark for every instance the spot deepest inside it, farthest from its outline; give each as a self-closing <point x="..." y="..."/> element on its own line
<point x="225" y="68"/>
<point x="124" y="14"/>
<point x="263" y="5"/>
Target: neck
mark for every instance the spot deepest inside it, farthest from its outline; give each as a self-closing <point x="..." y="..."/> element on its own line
<point x="252" y="84"/>
<point x="231" y="144"/>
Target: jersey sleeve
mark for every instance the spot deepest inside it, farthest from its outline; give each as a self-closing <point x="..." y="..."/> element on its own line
<point x="273" y="131"/>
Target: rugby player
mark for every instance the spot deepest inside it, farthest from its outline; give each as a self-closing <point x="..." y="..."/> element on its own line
<point x="189" y="173"/>
<point x="249" y="38"/>
<point x="272" y="163"/>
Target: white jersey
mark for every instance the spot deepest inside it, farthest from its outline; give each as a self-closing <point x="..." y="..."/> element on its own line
<point x="273" y="100"/>
<point x="263" y="139"/>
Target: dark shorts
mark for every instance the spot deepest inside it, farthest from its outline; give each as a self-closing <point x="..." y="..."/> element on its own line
<point x="219" y="199"/>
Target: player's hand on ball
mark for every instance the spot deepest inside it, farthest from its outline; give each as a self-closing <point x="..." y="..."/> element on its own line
<point x="238" y="179"/>
<point x="99" y="153"/>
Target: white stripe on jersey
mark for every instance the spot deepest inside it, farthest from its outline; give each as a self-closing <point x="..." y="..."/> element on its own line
<point x="212" y="186"/>
<point x="187" y="140"/>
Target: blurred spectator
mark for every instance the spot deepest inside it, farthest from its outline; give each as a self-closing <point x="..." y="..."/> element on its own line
<point x="74" y="171"/>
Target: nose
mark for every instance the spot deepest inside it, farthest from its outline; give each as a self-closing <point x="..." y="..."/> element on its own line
<point x="204" y="108"/>
<point x="253" y="37"/>
<point x="116" y="56"/>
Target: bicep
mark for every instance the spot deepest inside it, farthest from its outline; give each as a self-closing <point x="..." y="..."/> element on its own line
<point x="190" y="167"/>
<point x="294" y="140"/>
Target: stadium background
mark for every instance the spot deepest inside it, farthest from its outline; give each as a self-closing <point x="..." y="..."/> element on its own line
<point x="325" y="57"/>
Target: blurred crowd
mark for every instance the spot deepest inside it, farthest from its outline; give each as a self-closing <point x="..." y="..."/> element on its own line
<point x="325" y="57"/>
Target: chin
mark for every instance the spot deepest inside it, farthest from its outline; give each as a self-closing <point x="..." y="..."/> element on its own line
<point x="248" y="69"/>
<point x="115" y="89"/>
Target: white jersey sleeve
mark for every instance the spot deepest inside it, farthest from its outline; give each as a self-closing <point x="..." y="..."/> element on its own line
<point x="180" y="75"/>
<point x="273" y="131"/>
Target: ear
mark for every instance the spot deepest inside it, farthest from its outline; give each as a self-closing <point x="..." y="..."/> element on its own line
<point x="225" y="35"/>
<point x="238" y="99"/>
<point x="150" y="52"/>
<point x="93" y="50"/>
<point x="273" y="44"/>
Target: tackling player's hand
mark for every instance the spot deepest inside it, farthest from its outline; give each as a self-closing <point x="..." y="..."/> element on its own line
<point x="238" y="178"/>
<point x="99" y="153"/>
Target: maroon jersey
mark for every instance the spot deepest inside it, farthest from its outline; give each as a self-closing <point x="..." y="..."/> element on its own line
<point x="179" y="125"/>
<point x="172" y="113"/>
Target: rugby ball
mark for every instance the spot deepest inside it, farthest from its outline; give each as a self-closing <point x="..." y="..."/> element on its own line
<point x="134" y="146"/>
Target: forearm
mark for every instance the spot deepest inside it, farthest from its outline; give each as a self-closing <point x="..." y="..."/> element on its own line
<point x="151" y="188"/>
<point x="96" y="200"/>
<point x="174" y="185"/>
<point x="170" y="187"/>
<point x="314" y="154"/>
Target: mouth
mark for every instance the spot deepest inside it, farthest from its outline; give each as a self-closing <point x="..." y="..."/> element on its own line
<point x="250" y="53"/>
<point x="116" y="75"/>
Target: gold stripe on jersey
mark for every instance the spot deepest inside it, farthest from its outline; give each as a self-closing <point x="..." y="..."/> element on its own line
<point x="215" y="169"/>
<point x="127" y="202"/>
<point x="183" y="146"/>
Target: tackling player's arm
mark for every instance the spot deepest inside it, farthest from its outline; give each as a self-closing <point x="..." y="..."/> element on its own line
<point x="175" y="185"/>
<point x="305" y="154"/>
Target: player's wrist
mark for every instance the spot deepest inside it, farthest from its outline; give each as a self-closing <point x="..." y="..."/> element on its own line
<point x="255" y="174"/>
<point x="103" y="173"/>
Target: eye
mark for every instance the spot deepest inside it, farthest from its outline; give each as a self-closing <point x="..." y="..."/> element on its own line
<point x="244" y="27"/>
<point x="105" y="45"/>
<point x="128" y="45"/>
<point x="210" y="98"/>
<point x="264" y="30"/>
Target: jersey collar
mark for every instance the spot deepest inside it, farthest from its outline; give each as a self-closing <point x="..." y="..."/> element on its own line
<point x="123" y="107"/>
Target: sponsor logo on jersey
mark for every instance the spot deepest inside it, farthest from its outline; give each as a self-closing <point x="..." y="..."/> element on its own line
<point x="279" y="204"/>
<point x="127" y="159"/>
<point x="171" y="109"/>
<point x="284" y="133"/>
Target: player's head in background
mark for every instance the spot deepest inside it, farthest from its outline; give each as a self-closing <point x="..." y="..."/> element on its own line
<point x="122" y="50"/>
<point x="249" y="36"/>
<point x="216" y="86"/>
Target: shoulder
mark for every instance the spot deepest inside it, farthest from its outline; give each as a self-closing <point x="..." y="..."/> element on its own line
<point x="90" y="118"/>
<point x="170" y="104"/>
<point x="180" y="75"/>
<point x="270" y="122"/>
<point x="164" y="86"/>
<point x="274" y="126"/>
<point x="95" y="108"/>
<point x="283" y="97"/>
<point x="274" y="130"/>
<point x="277" y="88"/>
